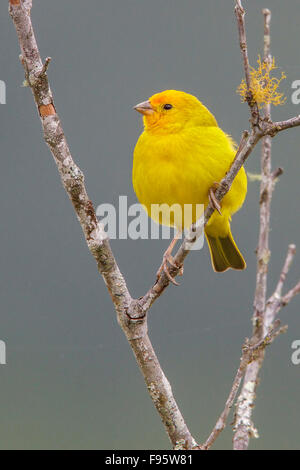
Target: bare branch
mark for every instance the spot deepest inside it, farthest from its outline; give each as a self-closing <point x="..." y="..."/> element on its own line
<point x="286" y="267"/>
<point x="283" y="125"/>
<point x="131" y="317"/>
<point x="290" y="295"/>
<point x="221" y="423"/>
<point x="276" y="173"/>
<point x="244" y="428"/>
<point x="249" y="354"/>
<point x="264" y="312"/>
<point x="274" y="303"/>
<point x="240" y="17"/>
<point x="243" y="425"/>
<point x="71" y="175"/>
<point x="46" y="65"/>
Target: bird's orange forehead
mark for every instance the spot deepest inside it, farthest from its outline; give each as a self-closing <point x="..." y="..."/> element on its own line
<point x="163" y="97"/>
<point x="174" y="97"/>
<point x="157" y="99"/>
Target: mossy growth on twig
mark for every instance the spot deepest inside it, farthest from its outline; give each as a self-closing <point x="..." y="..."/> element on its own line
<point x="264" y="89"/>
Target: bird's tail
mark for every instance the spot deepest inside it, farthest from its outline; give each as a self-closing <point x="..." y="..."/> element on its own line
<point x="224" y="252"/>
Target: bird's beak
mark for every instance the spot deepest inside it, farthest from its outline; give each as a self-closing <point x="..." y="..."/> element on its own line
<point x="144" y="108"/>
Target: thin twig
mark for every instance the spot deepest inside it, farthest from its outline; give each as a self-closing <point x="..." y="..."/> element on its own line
<point x="240" y="17"/>
<point x="249" y="353"/>
<point x="274" y="303"/>
<point x="283" y="125"/>
<point x="46" y="65"/>
<point x="290" y="295"/>
<point x="221" y="422"/>
<point x="276" y="173"/>
<point x="286" y="267"/>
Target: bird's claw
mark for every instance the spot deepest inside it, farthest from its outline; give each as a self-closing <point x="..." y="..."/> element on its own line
<point x="213" y="200"/>
<point x="167" y="258"/>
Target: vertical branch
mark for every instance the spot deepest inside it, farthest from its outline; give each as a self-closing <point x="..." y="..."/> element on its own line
<point x="265" y="325"/>
<point x="244" y="428"/>
<point x="240" y="17"/>
<point x="266" y="189"/>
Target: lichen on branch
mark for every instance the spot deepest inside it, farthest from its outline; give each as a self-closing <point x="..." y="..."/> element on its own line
<point x="264" y="88"/>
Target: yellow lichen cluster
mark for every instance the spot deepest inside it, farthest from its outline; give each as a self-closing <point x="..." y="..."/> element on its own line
<point x="263" y="87"/>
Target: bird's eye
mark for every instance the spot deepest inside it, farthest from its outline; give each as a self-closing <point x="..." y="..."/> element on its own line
<point x="167" y="106"/>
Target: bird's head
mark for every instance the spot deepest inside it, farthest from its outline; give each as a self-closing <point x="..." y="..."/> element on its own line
<point x="171" y="110"/>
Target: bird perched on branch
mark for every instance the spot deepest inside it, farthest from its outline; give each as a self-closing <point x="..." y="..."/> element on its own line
<point x="179" y="159"/>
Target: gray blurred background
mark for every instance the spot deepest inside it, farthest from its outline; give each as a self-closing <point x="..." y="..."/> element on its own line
<point x="71" y="380"/>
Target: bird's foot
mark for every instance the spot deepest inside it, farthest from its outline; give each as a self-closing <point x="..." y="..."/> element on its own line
<point x="212" y="198"/>
<point x="168" y="259"/>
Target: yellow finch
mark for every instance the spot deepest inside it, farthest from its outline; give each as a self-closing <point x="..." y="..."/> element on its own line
<point x="179" y="159"/>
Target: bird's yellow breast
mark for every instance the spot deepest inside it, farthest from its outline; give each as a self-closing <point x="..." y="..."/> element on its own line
<point x="180" y="168"/>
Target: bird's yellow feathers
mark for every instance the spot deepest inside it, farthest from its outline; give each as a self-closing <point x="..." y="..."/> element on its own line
<point x="181" y="154"/>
